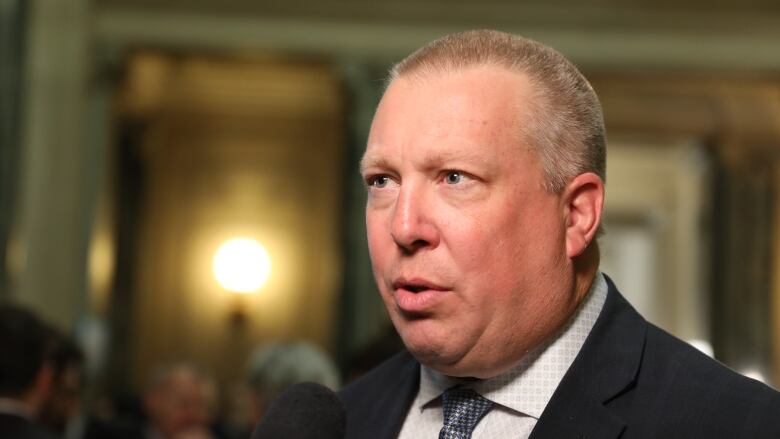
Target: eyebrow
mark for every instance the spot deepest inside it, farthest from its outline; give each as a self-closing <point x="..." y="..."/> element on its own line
<point x="369" y="161"/>
<point x="432" y="159"/>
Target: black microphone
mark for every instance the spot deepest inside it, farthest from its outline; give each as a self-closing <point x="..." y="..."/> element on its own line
<point x="304" y="411"/>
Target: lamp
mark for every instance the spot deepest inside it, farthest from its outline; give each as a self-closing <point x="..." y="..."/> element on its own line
<point x="243" y="266"/>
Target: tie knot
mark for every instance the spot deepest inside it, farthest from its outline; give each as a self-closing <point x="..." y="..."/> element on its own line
<point x="463" y="408"/>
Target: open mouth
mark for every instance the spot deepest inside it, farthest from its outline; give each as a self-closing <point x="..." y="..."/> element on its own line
<point x="416" y="285"/>
<point x="415" y="296"/>
<point x="414" y="288"/>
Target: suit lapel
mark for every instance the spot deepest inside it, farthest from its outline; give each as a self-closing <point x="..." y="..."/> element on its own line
<point x="605" y="368"/>
<point x="377" y="404"/>
<point x="394" y="404"/>
<point x="578" y="418"/>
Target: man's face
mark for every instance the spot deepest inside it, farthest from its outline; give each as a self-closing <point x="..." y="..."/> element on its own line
<point x="467" y="246"/>
<point x="181" y="405"/>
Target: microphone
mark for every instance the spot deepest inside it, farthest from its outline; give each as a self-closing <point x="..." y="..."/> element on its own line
<point x="304" y="411"/>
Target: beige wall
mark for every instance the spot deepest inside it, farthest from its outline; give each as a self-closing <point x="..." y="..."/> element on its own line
<point x="58" y="165"/>
<point x="235" y="147"/>
<point x="776" y="277"/>
<point x="658" y="197"/>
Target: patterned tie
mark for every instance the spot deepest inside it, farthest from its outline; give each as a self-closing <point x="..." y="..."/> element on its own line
<point x="463" y="408"/>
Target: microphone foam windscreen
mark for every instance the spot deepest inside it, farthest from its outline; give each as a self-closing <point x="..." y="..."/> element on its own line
<point x="304" y="411"/>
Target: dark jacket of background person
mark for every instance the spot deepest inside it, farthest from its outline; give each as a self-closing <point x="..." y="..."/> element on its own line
<point x="25" y="375"/>
<point x="61" y="408"/>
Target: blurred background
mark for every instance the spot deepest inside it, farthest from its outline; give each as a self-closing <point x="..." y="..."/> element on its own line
<point x="140" y="138"/>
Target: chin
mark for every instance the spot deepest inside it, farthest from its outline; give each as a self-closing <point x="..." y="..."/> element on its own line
<point x="424" y="349"/>
<point x="456" y="369"/>
<point x="441" y="358"/>
<point x="432" y="343"/>
<point x="454" y="363"/>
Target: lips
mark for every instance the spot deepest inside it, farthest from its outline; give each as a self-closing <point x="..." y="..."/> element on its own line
<point x="418" y="295"/>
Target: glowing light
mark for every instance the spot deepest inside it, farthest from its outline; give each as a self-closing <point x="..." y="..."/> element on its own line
<point x="242" y="265"/>
<point x="702" y="345"/>
<point x="752" y="372"/>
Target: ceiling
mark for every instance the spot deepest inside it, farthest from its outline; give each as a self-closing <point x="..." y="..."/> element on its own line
<point x="694" y="34"/>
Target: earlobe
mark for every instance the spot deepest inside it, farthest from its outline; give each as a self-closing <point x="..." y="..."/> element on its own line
<point x="584" y="199"/>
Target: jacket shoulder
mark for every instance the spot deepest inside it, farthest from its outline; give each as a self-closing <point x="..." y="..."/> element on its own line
<point x="688" y="394"/>
<point x="12" y="426"/>
<point x="671" y="358"/>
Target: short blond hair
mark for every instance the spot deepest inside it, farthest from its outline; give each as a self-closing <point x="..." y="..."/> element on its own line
<point x="566" y="126"/>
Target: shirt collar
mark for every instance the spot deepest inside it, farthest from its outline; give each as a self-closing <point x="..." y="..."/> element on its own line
<point x="14" y="407"/>
<point x="528" y="387"/>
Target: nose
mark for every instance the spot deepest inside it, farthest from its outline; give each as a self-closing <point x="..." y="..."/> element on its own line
<point x="412" y="224"/>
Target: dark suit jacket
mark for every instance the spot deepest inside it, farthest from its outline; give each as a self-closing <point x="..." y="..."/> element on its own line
<point x="17" y="427"/>
<point x="630" y="380"/>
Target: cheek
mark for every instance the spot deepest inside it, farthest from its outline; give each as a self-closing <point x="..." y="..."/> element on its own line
<point x="487" y="240"/>
<point x="380" y="249"/>
<point x="376" y="235"/>
<point x="504" y="251"/>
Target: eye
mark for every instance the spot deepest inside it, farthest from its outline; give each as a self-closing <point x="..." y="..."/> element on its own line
<point x="453" y="177"/>
<point x="378" y="181"/>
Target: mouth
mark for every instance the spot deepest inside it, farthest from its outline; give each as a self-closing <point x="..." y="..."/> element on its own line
<point x="417" y="285"/>
<point x="416" y="296"/>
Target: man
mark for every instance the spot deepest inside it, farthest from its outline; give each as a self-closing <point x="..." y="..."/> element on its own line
<point x="485" y="169"/>
<point x="25" y="372"/>
<point x="60" y="411"/>
<point x="274" y="367"/>
<point x="178" y="403"/>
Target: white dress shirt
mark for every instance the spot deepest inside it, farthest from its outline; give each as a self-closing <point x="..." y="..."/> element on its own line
<point x="14" y="407"/>
<point x="520" y="394"/>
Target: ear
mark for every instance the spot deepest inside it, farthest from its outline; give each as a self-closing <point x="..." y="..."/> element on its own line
<point x="584" y="200"/>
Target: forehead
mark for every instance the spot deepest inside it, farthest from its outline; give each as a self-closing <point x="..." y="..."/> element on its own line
<point x="473" y="111"/>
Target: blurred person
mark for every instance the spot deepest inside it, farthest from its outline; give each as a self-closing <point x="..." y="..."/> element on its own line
<point x="61" y="409"/>
<point x="485" y="167"/>
<point x="236" y="418"/>
<point x="178" y="403"/>
<point x="105" y="419"/>
<point x="276" y="366"/>
<point x="26" y="373"/>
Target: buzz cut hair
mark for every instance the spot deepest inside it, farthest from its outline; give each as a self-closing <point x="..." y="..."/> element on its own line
<point x="564" y="123"/>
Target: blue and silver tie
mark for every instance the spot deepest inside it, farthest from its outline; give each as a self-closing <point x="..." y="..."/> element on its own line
<point x="463" y="408"/>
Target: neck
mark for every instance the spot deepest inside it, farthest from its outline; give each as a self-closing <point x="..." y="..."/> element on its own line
<point x="586" y="266"/>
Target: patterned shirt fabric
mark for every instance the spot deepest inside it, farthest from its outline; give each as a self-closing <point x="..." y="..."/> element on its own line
<point x="463" y="408"/>
<point x="519" y="395"/>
